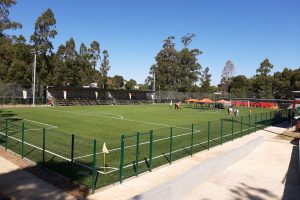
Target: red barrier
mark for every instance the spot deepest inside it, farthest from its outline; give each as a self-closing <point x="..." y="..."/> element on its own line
<point x="255" y="104"/>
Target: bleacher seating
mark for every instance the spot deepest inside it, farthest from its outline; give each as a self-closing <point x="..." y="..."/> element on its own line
<point x="79" y="96"/>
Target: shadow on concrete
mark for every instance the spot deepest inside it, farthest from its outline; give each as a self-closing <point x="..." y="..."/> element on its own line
<point x="21" y="183"/>
<point x="283" y="124"/>
<point x="246" y="192"/>
<point x="291" y="180"/>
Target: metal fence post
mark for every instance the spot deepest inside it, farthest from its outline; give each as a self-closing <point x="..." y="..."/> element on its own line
<point x="122" y="158"/>
<point x="241" y="126"/>
<point x="22" y="140"/>
<point x="150" y="150"/>
<point x="267" y="119"/>
<point x="249" y="125"/>
<point x="6" y="134"/>
<point x="137" y="152"/>
<point x="221" y="131"/>
<point x="255" y="122"/>
<point x="171" y="141"/>
<point x="232" y="124"/>
<point x="192" y="140"/>
<point x="72" y="149"/>
<point x="261" y="121"/>
<point x="94" y="168"/>
<point x="44" y="147"/>
<point x="208" y="134"/>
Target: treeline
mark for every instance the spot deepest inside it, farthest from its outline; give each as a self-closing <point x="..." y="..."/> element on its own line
<point x="65" y="67"/>
<point x="180" y="70"/>
<point x="264" y="85"/>
<point x="174" y="69"/>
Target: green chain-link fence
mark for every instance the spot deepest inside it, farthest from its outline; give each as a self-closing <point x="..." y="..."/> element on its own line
<point x="82" y="159"/>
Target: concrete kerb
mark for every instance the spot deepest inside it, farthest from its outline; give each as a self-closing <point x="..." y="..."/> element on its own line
<point x="183" y="184"/>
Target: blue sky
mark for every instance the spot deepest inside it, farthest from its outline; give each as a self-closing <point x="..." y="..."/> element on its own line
<point x="243" y="31"/>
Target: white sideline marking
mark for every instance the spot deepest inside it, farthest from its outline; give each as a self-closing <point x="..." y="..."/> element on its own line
<point x="98" y="114"/>
<point x="140" y="144"/>
<point x="113" y="169"/>
<point x="162" y="155"/>
<point x="123" y="118"/>
<point x="62" y="157"/>
<point x="41" y="123"/>
<point x="49" y="125"/>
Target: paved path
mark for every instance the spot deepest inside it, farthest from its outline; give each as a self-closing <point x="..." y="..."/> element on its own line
<point x="266" y="173"/>
<point x="260" y="175"/>
<point x="21" y="185"/>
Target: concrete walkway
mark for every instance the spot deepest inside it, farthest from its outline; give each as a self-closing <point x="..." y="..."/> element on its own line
<point x="267" y="172"/>
<point x="260" y="175"/>
<point x="16" y="183"/>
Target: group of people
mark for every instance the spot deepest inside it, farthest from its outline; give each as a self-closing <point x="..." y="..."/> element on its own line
<point x="233" y="111"/>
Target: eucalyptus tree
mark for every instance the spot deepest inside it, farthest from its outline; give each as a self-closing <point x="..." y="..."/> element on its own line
<point x="262" y="83"/>
<point x="188" y="68"/>
<point x="205" y="80"/>
<point x="176" y="70"/>
<point x="167" y="62"/>
<point x="105" y="67"/>
<point x="5" y="21"/>
<point x="44" y="31"/>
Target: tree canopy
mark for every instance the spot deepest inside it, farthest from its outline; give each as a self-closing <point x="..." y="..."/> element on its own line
<point x="73" y="64"/>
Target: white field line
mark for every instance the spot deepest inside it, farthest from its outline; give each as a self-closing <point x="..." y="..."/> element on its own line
<point x="129" y="165"/>
<point x="36" y="129"/>
<point x="100" y="172"/>
<point x="49" y="125"/>
<point x="126" y="166"/>
<point x="50" y="152"/>
<point x="163" y="139"/>
<point x="123" y="118"/>
<point x="98" y="114"/>
<point x="155" y="141"/>
<point x="57" y="155"/>
<point x="36" y="122"/>
<point x="135" y="145"/>
<point x="193" y="146"/>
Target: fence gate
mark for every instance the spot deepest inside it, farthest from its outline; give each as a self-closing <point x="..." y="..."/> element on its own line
<point x="136" y="154"/>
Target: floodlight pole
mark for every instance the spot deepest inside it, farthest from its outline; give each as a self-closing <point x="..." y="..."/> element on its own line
<point x="154" y="85"/>
<point x="34" y="72"/>
<point x="154" y="80"/>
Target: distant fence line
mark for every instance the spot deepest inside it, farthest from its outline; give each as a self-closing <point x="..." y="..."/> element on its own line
<point x="12" y="94"/>
<point x="80" y="159"/>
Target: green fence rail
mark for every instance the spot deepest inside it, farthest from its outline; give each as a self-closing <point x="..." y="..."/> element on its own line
<point x="81" y="159"/>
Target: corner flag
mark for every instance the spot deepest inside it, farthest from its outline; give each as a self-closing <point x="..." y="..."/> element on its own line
<point x="104" y="148"/>
<point x="104" y="151"/>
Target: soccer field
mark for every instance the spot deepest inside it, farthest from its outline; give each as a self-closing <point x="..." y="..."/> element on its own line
<point x="174" y="134"/>
<point x="108" y="123"/>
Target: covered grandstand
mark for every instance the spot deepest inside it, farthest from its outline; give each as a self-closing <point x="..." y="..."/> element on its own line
<point x="72" y="96"/>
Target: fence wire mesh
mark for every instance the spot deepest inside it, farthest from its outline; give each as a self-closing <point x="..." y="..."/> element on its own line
<point x="78" y="158"/>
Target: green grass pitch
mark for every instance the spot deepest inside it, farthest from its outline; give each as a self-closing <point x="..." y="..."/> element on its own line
<point x="108" y="123"/>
